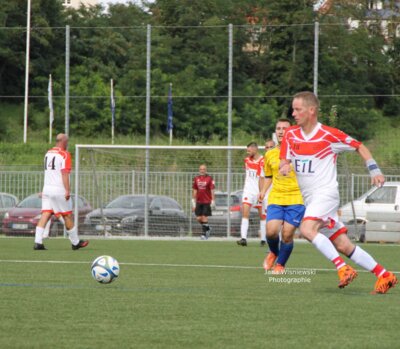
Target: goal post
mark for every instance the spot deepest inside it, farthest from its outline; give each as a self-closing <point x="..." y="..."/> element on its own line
<point x="107" y="172"/>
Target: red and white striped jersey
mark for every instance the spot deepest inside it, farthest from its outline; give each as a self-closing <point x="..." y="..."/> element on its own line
<point x="56" y="162"/>
<point x="254" y="169"/>
<point x="314" y="155"/>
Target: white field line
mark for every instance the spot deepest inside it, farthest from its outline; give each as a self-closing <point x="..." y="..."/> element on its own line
<point x="170" y="265"/>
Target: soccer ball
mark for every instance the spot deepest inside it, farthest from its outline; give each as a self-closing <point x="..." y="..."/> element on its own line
<point x="105" y="269"/>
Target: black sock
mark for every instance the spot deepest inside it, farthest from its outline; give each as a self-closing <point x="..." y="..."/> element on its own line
<point x="205" y="227"/>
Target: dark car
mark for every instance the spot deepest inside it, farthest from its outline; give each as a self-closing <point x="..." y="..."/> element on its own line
<point x="125" y="216"/>
<point x="7" y="201"/>
<point x="22" y="219"/>
<point x="218" y="220"/>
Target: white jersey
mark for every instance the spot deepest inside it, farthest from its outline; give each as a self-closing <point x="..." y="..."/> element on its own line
<point x="254" y="169"/>
<point x="56" y="162"/>
<point x="314" y="156"/>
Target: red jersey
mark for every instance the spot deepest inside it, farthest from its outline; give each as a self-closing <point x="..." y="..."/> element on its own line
<point x="314" y="155"/>
<point x="204" y="185"/>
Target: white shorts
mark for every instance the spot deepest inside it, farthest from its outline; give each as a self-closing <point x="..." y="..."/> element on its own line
<point x="324" y="206"/>
<point x="56" y="204"/>
<point x="251" y="199"/>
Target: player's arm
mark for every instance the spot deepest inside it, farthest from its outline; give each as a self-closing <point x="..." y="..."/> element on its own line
<point x="213" y="199"/>
<point x="377" y="177"/>
<point x="267" y="181"/>
<point x="65" y="171"/>
<point x="65" y="179"/>
<point x="284" y="165"/>
<point x="194" y="196"/>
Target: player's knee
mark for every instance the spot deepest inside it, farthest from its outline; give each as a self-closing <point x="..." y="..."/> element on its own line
<point x="308" y="232"/>
<point x="272" y="233"/>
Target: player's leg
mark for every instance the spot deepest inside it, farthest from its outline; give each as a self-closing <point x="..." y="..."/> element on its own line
<point x="73" y="232"/>
<point x="46" y="231"/>
<point x="203" y="211"/>
<point x="274" y="225"/>
<point x="63" y="207"/>
<point x="198" y="211"/>
<point x="293" y="215"/>
<point x="263" y="224"/>
<point x="40" y="227"/>
<point x="385" y="279"/>
<point x="310" y="228"/>
<point x="244" y="226"/>
<point x="319" y="218"/>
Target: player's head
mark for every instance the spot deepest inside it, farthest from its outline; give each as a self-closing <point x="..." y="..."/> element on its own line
<point x="252" y="149"/>
<point x="202" y="169"/>
<point x="269" y="144"/>
<point x="305" y="107"/>
<point x="62" y="141"/>
<point x="280" y="128"/>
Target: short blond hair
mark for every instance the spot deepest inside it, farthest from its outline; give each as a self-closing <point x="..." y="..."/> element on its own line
<point x="309" y="98"/>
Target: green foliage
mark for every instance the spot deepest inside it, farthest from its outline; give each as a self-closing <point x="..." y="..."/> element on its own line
<point x="273" y="57"/>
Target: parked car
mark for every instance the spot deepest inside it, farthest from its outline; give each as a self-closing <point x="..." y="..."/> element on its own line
<point x="7" y="201"/>
<point x="22" y="219"/>
<point x="383" y="199"/>
<point x="218" y="220"/>
<point x="125" y="215"/>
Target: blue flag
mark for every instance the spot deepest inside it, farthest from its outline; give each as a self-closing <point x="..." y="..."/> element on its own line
<point x="170" y="125"/>
<point x="112" y="106"/>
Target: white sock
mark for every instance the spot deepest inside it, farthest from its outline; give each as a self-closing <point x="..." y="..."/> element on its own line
<point x="73" y="236"/>
<point x="325" y="246"/>
<point x="46" y="231"/>
<point x="363" y="259"/>
<point x="39" y="235"/>
<point x="244" y="227"/>
<point x="263" y="228"/>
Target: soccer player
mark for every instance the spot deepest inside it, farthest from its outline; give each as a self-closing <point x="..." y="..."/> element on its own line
<point x="254" y="165"/>
<point x="269" y="144"/>
<point x="312" y="148"/>
<point x="203" y="199"/>
<point x="56" y="196"/>
<point x="285" y="206"/>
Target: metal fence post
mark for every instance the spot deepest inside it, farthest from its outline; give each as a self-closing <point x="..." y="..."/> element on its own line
<point x="67" y="51"/>
<point x="229" y="153"/>
<point x="316" y="53"/>
<point x="146" y="179"/>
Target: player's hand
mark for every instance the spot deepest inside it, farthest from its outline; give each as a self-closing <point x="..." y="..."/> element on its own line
<point x="284" y="168"/>
<point x="67" y="195"/>
<point x="261" y="197"/>
<point x="378" y="180"/>
<point x="213" y="205"/>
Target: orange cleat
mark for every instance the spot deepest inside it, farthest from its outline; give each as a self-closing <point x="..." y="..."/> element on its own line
<point x="278" y="269"/>
<point x="269" y="261"/>
<point x="346" y="275"/>
<point x="383" y="284"/>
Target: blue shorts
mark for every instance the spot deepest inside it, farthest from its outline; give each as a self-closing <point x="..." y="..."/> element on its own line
<point x="292" y="214"/>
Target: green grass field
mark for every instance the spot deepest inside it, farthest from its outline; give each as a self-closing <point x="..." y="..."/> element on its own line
<point x="188" y="294"/>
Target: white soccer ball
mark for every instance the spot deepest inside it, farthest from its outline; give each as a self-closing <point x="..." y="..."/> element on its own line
<point x="105" y="269"/>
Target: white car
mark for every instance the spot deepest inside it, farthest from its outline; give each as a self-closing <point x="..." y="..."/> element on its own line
<point x="383" y="199"/>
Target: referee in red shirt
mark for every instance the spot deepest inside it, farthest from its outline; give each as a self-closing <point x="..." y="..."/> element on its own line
<point x="203" y="199"/>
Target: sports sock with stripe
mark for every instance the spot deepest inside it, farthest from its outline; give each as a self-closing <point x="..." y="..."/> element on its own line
<point x="325" y="246"/>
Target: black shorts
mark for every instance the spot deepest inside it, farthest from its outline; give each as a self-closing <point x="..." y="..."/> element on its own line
<point x="202" y="210"/>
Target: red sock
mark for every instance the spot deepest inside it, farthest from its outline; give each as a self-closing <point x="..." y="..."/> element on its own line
<point x="339" y="262"/>
<point x="380" y="271"/>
